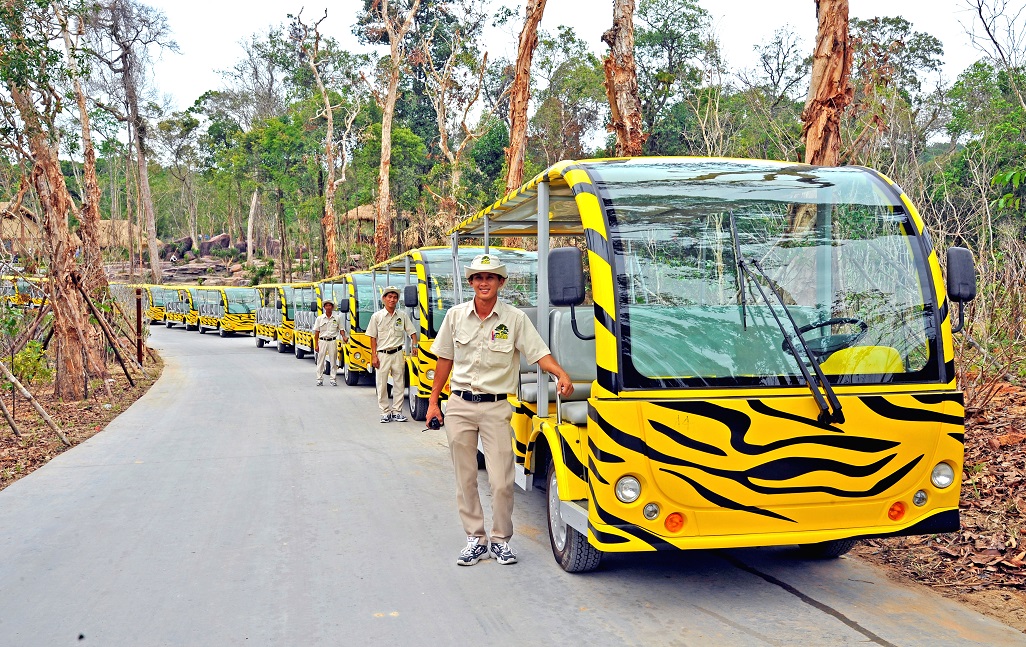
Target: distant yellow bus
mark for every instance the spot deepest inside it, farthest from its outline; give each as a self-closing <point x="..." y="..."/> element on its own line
<point x="309" y="303"/>
<point x="228" y="310"/>
<point x="181" y="307"/>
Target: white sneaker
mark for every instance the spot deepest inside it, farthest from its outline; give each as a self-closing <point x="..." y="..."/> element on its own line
<point x="320" y="382"/>
<point x="334" y="383"/>
<point x="387" y="417"/>
<point x="398" y="417"/>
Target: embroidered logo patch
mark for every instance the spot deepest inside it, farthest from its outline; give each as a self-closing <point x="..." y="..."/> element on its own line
<point x="500" y="332"/>
<point x="398" y="323"/>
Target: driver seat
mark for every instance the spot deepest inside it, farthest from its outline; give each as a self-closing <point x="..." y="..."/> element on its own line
<point x="864" y="360"/>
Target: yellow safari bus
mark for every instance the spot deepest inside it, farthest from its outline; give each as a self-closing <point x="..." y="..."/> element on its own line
<point x="765" y="357"/>
<point x="156" y="302"/>
<point x="309" y="303"/>
<point x="22" y="291"/>
<point x="268" y="315"/>
<point x="182" y="307"/>
<point x="429" y="290"/>
<point x="228" y="310"/>
<point x="357" y="309"/>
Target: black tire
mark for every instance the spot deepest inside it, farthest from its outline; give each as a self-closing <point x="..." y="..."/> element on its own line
<point x="351" y="377"/>
<point x="222" y="333"/>
<point x="300" y="353"/>
<point x="418" y="407"/>
<point x="202" y="330"/>
<point x="191" y="328"/>
<point x="169" y="324"/>
<point x="282" y="348"/>
<point x="259" y="341"/>
<point x="576" y="555"/>
<point x="827" y="549"/>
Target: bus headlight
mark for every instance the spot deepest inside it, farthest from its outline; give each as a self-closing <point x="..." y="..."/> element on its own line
<point x="628" y="489"/>
<point x="357" y="355"/>
<point x="430" y="374"/>
<point x="942" y="476"/>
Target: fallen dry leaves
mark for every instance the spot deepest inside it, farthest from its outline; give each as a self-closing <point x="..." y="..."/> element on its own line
<point x="989" y="553"/>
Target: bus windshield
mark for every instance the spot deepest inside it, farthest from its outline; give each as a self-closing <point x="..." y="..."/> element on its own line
<point x="835" y="244"/>
<point x="158" y="297"/>
<point x="242" y="300"/>
<point x="520" y="290"/>
<point x="365" y="301"/>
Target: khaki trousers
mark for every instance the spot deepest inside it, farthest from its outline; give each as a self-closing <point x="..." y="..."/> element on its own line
<point x="394" y="365"/>
<point x="327" y="350"/>
<point x="464" y="421"/>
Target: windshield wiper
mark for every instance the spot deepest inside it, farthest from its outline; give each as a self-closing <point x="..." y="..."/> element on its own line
<point x="742" y="296"/>
<point x="827" y="413"/>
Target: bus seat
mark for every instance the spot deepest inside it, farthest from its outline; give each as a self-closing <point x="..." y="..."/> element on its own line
<point x="864" y="360"/>
<point x="575" y="355"/>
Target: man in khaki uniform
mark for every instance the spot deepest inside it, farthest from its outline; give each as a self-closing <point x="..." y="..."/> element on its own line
<point x="326" y="331"/>
<point x="480" y="343"/>
<point x="387" y="330"/>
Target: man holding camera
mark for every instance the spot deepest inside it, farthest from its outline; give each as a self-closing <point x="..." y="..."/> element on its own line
<point x="479" y="343"/>
<point x="326" y="331"/>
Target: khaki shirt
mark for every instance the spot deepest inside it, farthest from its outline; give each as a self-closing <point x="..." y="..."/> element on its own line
<point x="327" y="326"/>
<point x="390" y="331"/>
<point x="486" y="353"/>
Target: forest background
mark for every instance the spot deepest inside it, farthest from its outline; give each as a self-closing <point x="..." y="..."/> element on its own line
<point x="285" y="156"/>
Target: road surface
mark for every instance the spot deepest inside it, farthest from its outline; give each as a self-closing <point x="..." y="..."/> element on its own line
<point x="238" y="504"/>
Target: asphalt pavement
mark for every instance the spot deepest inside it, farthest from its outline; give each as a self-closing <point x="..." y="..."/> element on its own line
<point x="239" y="504"/>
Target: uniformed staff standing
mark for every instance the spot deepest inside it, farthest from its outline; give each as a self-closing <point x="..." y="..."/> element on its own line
<point x="326" y="331"/>
<point x="387" y="330"/>
<point x="480" y="343"/>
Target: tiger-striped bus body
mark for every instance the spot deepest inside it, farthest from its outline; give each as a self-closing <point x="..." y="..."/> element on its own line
<point x="693" y="425"/>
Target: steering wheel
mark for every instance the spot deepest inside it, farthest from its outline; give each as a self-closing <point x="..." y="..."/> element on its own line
<point x="822" y="346"/>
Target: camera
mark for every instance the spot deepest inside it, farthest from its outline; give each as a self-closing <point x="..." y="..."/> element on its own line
<point x="435" y="424"/>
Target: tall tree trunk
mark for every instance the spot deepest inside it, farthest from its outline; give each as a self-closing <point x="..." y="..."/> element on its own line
<point x="66" y="301"/>
<point x="622" y="82"/>
<point x="93" y="276"/>
<point x="282" y="255"/>
<point x="520" y="95"/>
<point x="830" y="91"/>
<point x="129" y="210"/>
<point x="383" y="210"/>
<point x="249" y="225"/>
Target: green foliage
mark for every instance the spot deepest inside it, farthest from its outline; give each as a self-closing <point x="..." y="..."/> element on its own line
<point x="31" y="365"/>
<point x="1014" y="180"/>
<point x="260" y="273"/>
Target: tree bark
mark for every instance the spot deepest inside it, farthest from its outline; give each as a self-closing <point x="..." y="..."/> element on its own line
<point x="383" y="213"/>
<point x="249" y="225"/>
<point x="622" y="82"/>
<point x="93" y="275"/>
<point x="67" y="304"/>
<point x="830" y="91"/>
<point x="520" y="95"/>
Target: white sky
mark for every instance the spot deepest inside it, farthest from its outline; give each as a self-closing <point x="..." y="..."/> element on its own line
<point x="208" y="32"/>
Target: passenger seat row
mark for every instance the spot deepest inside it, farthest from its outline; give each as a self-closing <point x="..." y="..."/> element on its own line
<point x="575" y="355"/>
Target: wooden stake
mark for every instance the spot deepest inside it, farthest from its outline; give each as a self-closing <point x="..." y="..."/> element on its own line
<point x="35" y="403"/>
<point x="106" y="331"/>
<point x="10" y="418"/>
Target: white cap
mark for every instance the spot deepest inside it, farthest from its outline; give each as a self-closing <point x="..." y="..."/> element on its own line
<point x="486" y="263"/>
<point x="390" y="288"/>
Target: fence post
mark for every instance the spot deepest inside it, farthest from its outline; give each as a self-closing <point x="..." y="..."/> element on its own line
<point x="138" y="326"/>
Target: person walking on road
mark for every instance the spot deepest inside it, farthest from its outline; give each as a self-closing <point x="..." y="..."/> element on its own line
<point x="387" y="330"/>
<point x="479" y="343"/>
<point x="326" y="331"/>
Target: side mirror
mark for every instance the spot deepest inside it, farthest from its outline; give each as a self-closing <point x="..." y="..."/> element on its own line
<point x="566" y="276"/>
<point x="410" y="296"/>
<point x="343" y="306"/>
<point x="277" y="304"/>
<point x="313" y="307"/>
<point x="961" y="281"/>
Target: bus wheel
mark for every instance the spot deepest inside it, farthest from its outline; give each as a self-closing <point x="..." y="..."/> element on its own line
<point x="168" y="324"/>
<point x="827" y="549"/>
<point x="300" y="353"/>
<point x="202" y="330"/>
<point x="418" y="406"/>
<point x="351" y="377"/>
<point x="259" y="341"/>
<point x="570" y="548"/>
<point x="221" y="332"/>
<point x="282" y="347"/>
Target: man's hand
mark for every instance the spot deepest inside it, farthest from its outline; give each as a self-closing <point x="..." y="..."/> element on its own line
<point x="375" y="362"/>
<point x="433" y="412"/>
<point x="564" y="386"/>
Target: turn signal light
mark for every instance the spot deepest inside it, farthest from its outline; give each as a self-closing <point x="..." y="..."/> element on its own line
<point x="675" y="522"/>
<point x="896" y="511"/>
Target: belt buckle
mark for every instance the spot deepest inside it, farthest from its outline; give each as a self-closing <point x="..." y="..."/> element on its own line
<point x="477" y="397"/>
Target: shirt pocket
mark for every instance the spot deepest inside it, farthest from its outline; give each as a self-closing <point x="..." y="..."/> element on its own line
<point x="499" y="353"/>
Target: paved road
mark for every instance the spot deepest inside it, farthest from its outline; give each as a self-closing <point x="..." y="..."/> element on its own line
<point x="237" y="504"/>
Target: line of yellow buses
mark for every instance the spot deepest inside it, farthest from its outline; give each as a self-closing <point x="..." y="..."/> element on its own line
<point x="762" y="351"/>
